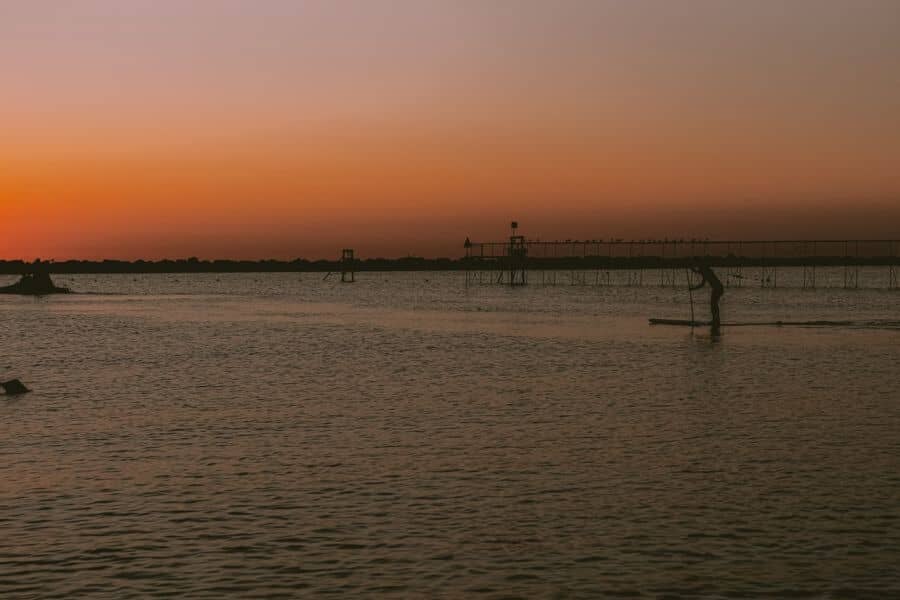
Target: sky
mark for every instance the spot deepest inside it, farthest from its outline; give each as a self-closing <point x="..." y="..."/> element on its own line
<point x="255" y="129"/>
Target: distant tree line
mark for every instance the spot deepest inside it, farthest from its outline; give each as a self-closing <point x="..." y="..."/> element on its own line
<point x="414" y="263"/>
<point x="196" y="265"/>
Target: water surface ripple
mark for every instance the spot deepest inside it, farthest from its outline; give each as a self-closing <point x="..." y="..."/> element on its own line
<point x="275" y="436"/>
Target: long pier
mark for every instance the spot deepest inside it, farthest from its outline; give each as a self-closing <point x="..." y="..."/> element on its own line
<point x="510" y="262"/>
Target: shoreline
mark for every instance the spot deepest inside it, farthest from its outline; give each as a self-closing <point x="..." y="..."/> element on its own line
<point x="77" y="267"/>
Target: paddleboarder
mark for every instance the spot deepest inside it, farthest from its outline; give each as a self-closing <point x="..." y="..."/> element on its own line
<point x="717" y="290"/>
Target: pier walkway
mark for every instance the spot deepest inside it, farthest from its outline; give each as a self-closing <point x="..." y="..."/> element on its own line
<point x="663" y="261"/>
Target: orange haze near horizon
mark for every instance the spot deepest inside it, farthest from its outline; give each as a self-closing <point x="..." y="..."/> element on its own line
<point x="285" y="129"/>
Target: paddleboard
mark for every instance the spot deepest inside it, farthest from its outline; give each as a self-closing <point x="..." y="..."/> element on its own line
<point x="682" y="322"/>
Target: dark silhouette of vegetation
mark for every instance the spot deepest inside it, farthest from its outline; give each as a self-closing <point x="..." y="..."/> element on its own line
<point x="414" y="263"/>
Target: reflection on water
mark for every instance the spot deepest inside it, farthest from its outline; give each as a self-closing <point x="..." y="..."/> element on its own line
<point x="267" y="435"/>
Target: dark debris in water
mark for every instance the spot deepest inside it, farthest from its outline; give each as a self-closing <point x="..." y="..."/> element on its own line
<point x="14" y="387"/>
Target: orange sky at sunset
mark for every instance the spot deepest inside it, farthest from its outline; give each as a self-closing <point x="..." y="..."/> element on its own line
<point x="284" y="129"/>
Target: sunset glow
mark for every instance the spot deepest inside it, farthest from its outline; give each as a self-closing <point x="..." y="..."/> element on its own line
<point x="285" y="129"/>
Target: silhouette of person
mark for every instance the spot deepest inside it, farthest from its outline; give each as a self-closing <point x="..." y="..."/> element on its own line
<point x="717" y="290"/>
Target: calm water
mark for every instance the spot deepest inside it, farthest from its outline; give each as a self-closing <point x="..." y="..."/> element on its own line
<point x="277" y="435"/>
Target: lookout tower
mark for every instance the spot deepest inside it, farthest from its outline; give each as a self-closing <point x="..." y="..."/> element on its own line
<point x="517" y="255"/>
<point x="348" y="265"/>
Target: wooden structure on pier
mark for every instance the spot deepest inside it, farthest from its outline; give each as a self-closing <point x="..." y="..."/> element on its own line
<point x="642" y="261"/>
<point x="517" y="257"/>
